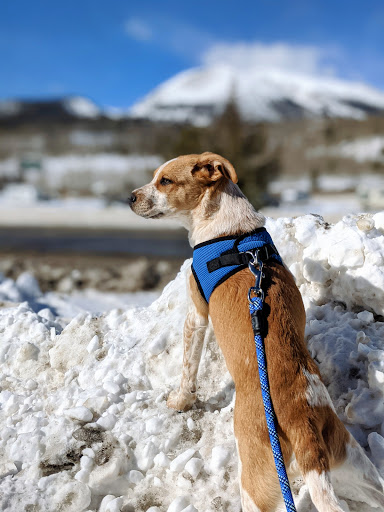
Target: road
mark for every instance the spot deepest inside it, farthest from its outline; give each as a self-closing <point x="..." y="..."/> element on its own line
<point x="116" y="229"/>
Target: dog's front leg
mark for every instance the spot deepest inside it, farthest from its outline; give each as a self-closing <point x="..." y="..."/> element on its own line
<point x="193" y="338"/>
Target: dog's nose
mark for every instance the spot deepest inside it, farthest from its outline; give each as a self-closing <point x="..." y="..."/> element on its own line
<point x="132" y="199"/>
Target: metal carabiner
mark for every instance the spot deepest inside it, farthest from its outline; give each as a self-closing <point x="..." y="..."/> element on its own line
<point x="256" y="267"/>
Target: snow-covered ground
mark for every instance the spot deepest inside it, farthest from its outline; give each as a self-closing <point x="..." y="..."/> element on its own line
<point x="88" y="212"/>
<point x="326" y="183"/>
<point x="83" y="421"/>
<point x="364" y="149"/>
<point x="21" y="205"/>
<point x="72" y="213"/>
<point x="67" y="305"/>
<point x="98" y="173"/>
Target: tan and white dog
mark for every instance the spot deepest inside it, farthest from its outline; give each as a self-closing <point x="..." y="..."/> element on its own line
<point x="201" y="191"/>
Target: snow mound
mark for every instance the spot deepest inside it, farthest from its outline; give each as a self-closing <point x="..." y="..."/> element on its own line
<point x="83" y="420"/>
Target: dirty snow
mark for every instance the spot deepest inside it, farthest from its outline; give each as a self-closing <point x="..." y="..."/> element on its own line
<point x="83" y="421"/>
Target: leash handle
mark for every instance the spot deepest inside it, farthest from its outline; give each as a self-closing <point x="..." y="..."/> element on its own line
<point x="257" y="317"/>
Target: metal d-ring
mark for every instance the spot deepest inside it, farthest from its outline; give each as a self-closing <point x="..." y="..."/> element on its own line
<point x="257" y="293"/>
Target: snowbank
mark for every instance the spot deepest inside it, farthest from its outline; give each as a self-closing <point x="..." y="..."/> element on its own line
<point x="84" y="424"/>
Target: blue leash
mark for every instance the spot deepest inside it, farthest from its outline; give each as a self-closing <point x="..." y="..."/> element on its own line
<point x="255" y="309"/>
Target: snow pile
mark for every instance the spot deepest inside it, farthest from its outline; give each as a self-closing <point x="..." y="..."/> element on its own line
<point x="84" y="424"/>
<point x="344" y="262"/>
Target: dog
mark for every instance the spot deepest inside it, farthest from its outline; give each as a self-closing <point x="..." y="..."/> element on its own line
<point x="200" y="190"/>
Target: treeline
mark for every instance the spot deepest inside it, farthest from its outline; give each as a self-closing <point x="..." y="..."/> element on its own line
<point x="246" y="146"/>
<point x="259" y="151"/>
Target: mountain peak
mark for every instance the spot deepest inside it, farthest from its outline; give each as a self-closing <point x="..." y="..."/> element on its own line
<point x="200" y="94"/>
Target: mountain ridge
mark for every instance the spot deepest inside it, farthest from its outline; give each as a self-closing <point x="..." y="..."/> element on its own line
<point x="68" y="106"/>
<point x="197" y="95"/>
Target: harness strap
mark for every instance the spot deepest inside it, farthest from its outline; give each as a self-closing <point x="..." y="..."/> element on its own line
<point x="230" y="258"/>
<point x="216" y="260"/>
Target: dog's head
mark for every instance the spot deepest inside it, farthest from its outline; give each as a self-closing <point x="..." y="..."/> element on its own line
<point x="179" y="185"/>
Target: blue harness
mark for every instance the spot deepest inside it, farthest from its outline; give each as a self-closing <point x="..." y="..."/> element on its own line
<point x="217" y="260"/>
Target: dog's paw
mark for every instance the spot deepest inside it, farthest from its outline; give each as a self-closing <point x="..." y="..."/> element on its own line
<point x="181" y="400"/>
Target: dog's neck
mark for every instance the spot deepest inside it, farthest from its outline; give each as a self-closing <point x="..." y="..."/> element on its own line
<point x="223" y="211"/>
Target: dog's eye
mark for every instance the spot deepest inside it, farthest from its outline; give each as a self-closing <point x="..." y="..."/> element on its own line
<point x="165" y="181"/>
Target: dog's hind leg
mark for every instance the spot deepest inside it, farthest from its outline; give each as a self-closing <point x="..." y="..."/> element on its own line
<point x="193" y="338"/>
<point x="259" y="485"/>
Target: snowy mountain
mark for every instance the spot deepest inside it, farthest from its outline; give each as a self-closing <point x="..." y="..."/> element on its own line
<point x="198" y="94"/>
<point x="67" y="106"/>
<point x="80" y="106"/>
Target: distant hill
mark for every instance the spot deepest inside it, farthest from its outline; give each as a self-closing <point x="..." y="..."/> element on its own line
<point x="198" y="95"/>
<point x="68" y="107"/>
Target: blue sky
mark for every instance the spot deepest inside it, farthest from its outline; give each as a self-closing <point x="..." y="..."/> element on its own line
<point x="116" y="51"/>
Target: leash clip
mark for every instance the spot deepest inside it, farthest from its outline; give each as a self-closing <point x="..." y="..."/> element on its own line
<point x="255" y="265"/>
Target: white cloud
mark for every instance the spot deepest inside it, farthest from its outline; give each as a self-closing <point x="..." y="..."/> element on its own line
<point x="298" y="58"/>
<point x="198" y="46"/>
<point x="170" y="34"/>
<point x="138" y="29"/>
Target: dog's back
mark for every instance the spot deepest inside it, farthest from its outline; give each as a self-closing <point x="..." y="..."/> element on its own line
<point x="313" y="439"/>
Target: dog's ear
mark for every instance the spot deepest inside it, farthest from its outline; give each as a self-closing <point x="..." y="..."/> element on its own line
<point x="211" y="167"/>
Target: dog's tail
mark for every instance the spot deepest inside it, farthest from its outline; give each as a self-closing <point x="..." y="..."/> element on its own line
<point x="355" y="478"/>
<point x="331" y="462"/>
<point x="358" y="479"/>
<point x="322" y="492"/>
